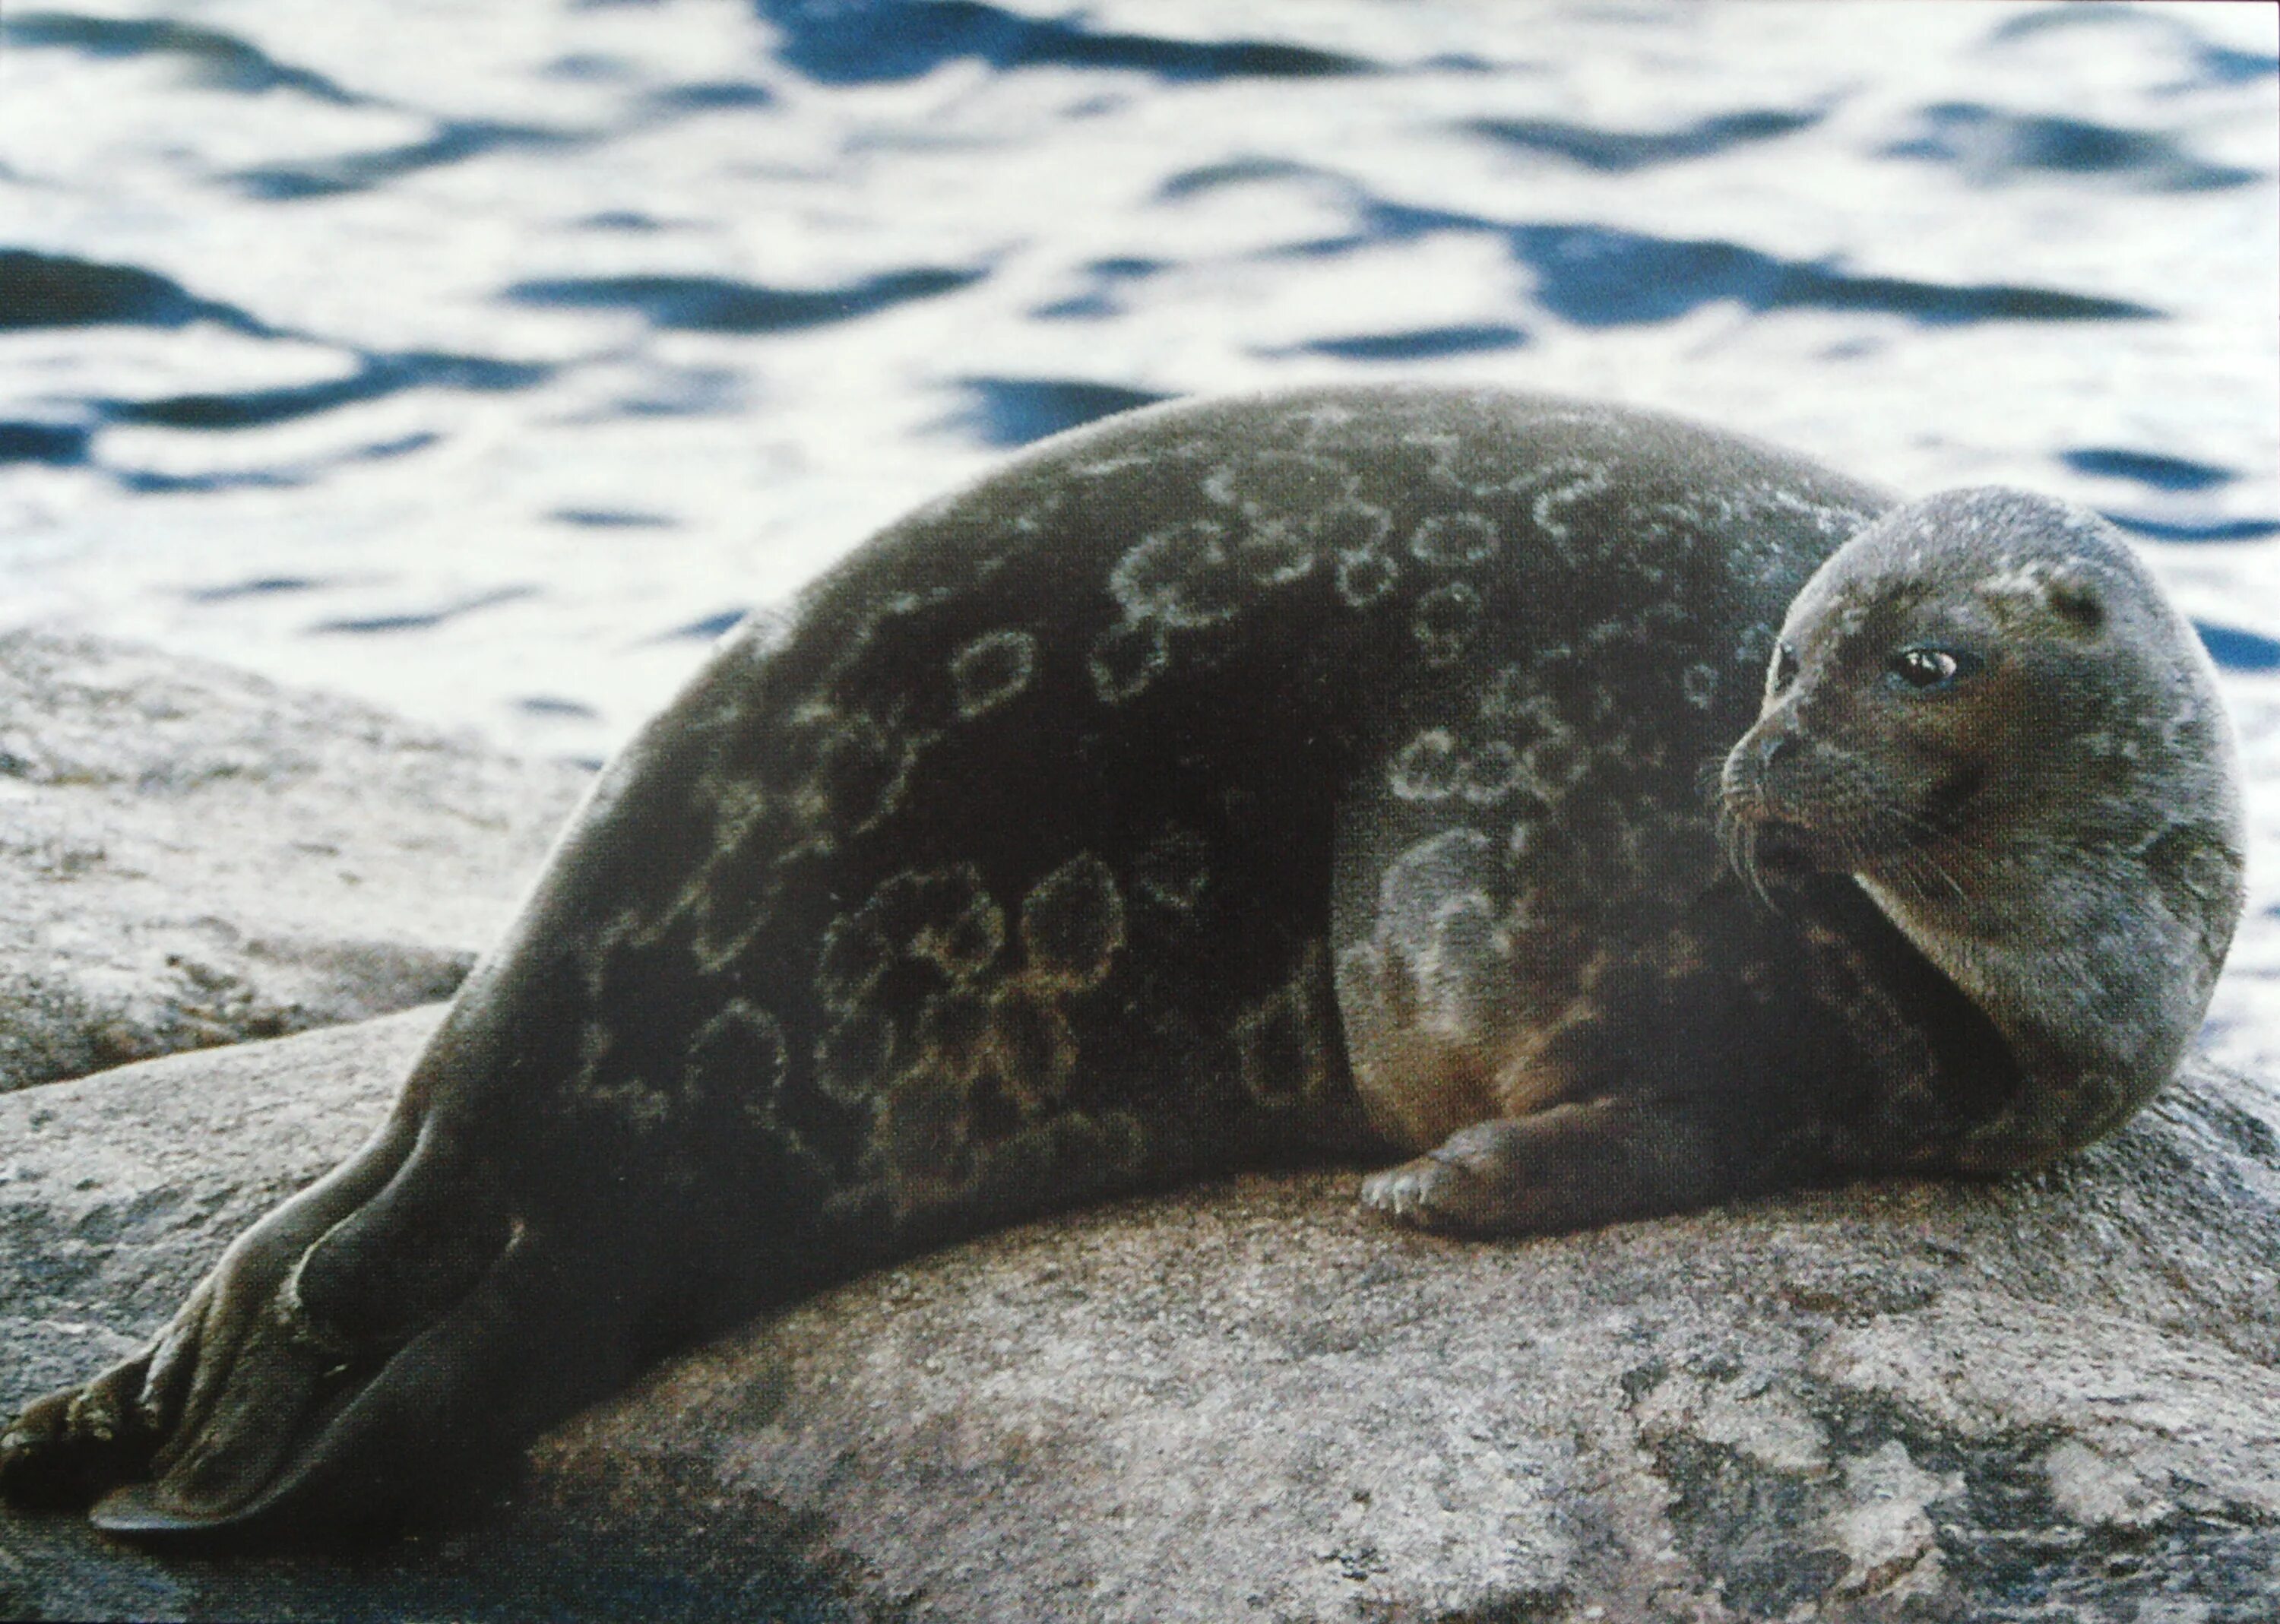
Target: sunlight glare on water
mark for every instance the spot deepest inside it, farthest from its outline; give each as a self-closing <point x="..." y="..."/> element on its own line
<point x="487" y="361"/>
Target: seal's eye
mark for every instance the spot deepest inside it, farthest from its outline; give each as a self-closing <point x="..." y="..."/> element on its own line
<point x="1782" y="671"/>
<point x="1927" y="670"/>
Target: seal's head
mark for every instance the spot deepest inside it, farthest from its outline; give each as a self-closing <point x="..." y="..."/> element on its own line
<point x="1984" y="709"/>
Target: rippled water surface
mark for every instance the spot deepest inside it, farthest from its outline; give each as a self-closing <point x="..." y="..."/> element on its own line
<point x="489" y="359"/>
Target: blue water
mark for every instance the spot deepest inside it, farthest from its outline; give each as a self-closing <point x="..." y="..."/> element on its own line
<point x="490" y="364"/>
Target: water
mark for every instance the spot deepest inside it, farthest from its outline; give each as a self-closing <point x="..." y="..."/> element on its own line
<point x="490" y="361"/>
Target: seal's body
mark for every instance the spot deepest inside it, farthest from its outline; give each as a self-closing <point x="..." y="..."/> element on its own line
<point x="1320" y="775"/>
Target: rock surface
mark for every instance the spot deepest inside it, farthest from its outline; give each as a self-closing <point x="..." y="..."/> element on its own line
<point x="190" y="856"/>
<point x="2053" y="1400"/>
<point x="2041" y="1400"/>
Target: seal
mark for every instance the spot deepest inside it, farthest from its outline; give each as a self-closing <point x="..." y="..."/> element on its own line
<point x="1984" y="709"/>
<point x="1327" y="774"/>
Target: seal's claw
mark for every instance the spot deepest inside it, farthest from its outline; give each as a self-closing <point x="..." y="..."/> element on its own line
<point x="66" y="1447"/>
<point x="33" y="1470"/>
<point x="1417" y="1193"/>
<point x="1428" y="1193"/>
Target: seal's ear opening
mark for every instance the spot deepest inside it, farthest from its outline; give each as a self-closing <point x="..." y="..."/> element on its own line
<point x="2074" y="600"/>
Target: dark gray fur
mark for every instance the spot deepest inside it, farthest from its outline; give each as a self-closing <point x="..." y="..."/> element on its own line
<point x="1103" y="825"/>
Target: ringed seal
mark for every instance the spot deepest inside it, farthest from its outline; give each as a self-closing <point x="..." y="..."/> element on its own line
<point x="1315" y="774"/>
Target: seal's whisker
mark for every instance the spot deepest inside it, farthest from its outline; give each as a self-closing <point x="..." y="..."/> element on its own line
<point x="1921" y="852"/>
<point x="1740" y="839"/>
<point x="1757" y="874"/>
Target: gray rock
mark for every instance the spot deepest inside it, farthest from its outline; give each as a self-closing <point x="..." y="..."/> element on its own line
<point x="2047" y="1399"/>
<point x="190" y="856"/>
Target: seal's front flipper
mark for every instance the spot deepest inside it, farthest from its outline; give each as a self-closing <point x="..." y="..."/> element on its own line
<point x="1568" y="1167"/>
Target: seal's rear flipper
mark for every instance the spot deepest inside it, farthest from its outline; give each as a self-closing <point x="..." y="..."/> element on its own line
<point x="531" y="1341"/>
<point x="66" y="1448"/>
<point x="140" y="1508"/>
<point x="70" y="1447"/>
<point x="344" y="1345"/>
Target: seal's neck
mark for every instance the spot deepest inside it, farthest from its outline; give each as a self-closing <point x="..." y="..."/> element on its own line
<point x="2095" y="981"/>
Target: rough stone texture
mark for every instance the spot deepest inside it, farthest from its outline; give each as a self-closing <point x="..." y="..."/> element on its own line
<point x="190" y="856"/>
<point x="2055" y="1399"/>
